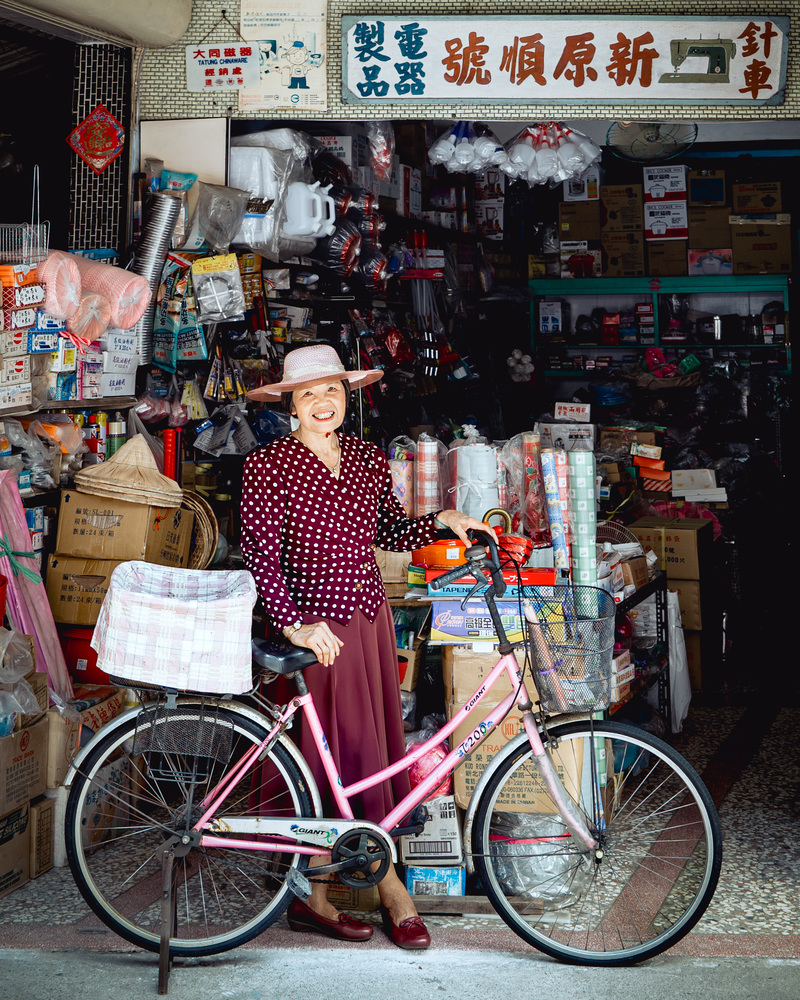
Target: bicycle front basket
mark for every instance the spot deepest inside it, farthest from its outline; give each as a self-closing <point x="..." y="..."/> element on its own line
<point x="572" y="643"/>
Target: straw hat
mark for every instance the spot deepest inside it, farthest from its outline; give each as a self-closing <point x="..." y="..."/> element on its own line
<point x="312" y="365"/>
<point x="130" y="474"/>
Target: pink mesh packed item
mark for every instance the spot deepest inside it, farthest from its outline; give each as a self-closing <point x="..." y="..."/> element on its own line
<point x="62" y="280"/>
<point x="128" y="293"/>
<point x="90" y="321"/>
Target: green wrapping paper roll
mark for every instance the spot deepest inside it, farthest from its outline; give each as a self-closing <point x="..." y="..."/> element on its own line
<point x="583" y="509"/>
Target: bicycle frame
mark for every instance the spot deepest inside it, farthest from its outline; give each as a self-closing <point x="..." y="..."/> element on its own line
<point x="316" y="840"/>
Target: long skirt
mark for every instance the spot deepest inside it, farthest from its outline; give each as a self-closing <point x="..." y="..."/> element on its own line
<point x="358" y="702"/>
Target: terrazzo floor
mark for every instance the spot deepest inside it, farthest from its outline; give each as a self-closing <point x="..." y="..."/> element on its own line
<point x="749" y="757"/>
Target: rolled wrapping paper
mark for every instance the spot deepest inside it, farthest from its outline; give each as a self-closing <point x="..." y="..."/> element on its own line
<point x="403" y="481"/>
<point x="90" y="320"/>
<point x="583" y="509"/>
<point x="554" y="466"/>
<point x="427" y="477"/>
<point x="535" y="523"/>
<point x="502" y="480"/>
<point x="476" y="489"/>
<point x="127" y="293"/>
<point x="62" y="281"/>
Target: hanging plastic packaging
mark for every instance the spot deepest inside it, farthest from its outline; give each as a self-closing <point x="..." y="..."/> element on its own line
<point x="217" y="218"/>
<point x="549" y="154"/>
<point x="381" y="148"/>
<point x="218" y="289"/>
<point x="467" y="147"/>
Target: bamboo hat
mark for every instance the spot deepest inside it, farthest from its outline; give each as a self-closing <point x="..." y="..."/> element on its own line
<point x="130" y="474"/>
<point x="307" y="366"/>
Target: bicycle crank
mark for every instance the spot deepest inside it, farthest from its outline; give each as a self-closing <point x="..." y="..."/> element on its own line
<point x="353" y="856"/>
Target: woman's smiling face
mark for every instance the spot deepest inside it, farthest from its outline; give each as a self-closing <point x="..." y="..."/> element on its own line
<point x="320" y="408"/>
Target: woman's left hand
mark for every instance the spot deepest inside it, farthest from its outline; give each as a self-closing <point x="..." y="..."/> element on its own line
<point x="461" y="523"/>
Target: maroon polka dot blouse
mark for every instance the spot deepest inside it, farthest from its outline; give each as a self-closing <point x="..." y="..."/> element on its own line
<point x="308" y="537"/>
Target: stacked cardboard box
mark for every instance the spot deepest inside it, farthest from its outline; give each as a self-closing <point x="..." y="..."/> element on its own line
<point x="621" y="230"/>
<point x="96" y="534"/>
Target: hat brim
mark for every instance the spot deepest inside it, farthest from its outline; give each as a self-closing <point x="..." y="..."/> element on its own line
<point x="355" y="379"/>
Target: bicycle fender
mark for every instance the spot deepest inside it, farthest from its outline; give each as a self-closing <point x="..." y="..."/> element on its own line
<point x="240" y="709"/>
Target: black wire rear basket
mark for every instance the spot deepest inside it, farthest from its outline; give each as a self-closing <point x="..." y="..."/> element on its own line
<point x="571" y="632"/>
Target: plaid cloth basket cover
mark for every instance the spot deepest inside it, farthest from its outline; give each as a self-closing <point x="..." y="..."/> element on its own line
<point x="179" y="628"/>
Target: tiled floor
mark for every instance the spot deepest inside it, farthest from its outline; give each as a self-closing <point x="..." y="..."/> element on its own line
<point x="756" y="909"/>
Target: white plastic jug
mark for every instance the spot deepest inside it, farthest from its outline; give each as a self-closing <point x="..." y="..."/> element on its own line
<point x="310" y="211"/>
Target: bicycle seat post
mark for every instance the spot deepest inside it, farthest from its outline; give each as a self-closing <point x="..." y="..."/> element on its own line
<point x="300" y="681"/>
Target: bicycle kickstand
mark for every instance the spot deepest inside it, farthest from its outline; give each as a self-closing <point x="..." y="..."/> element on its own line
<point x="168" y="918"/>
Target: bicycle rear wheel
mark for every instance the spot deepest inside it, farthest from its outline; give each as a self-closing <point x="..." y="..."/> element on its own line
<point x="657" y="864"/>
<point x="141" y="784"/>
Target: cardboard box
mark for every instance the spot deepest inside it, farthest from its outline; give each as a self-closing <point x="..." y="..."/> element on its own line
<point x="109" y="801"/>
<point x="756" y="198"/>
<point x="14" y="849"/>
<point x="38" y="681"/>
<point x="101" y="528"/>
<point x="440" y="841"/>
<point x="393" y="566"/>
<point x="667" y="220"/>
<point x="452" y="624"/>
<point x="570" y="437"/>
<point x="76" y="587"/>
<point x="465" y="669"/>
<point x="665" y="183"/>
<point x="97" y="715"/>
<point x="578" y="220"/>
<point x="623" y="255"/>
<point x="667" y="258"/>
<point x="688" y="592"/>
<point x="63" y="743"/>
<point x="584" y="187"/>
<point x="489" y="219"/>
<point x="621" y="208"/>
<point x="23" y="766"/>
<point x="762" y="246"/>
<point x="682" y="544"/>
<point x="529" y="793"/>
<point x="706" y="187"/>
<point x="713" y="262"/>
<point x="42" y="831"/>
<point x="344" y="897"/>
<point x="709" y="227"/>
<point x="422" y="880"/>
<point x="580" y="258"/>
<point x="634" y="571"/>
<point x="13" y="371"/>
<point x="413" y="662"/>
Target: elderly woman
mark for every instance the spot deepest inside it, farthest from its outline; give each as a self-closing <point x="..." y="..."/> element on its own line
<point x="314" y="506"/>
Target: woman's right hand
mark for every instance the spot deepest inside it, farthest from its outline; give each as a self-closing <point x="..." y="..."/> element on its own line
<point x="319" y="638"/>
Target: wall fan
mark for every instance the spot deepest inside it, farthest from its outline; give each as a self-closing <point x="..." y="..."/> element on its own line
<point x="650" y="142"/>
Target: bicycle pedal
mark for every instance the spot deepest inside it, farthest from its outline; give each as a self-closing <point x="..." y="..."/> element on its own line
<point x="415" y="823"/>
<point x="298" y="884"/>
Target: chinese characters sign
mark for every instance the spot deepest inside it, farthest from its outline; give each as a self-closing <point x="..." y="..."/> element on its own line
<point x="221" y="66"/>
<point x="605" y="59"/>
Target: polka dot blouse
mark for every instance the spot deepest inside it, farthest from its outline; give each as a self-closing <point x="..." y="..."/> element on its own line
<point x="308" y="538"/>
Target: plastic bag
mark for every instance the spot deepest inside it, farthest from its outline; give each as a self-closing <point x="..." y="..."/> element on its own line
<point x="468" y="147"/>
<point x="381" y="148"/>
<point x="178" y="413"/>
<point x="41" y="456"/>
<point x="151" y="409"/>
<point x="192" y="399"/>
<point x="16" y="658"/>
<point x="559" y="876"/>
<point x="136" y="426"/>
<point x="420" y="769"/>
<point x="219" y="214"/>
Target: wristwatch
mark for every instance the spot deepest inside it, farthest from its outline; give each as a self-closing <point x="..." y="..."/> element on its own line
<point x="290" y="630"/>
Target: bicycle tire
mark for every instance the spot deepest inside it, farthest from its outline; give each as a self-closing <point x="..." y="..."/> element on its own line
<point x="142" y="794"/>
<point x="660" y="846"/>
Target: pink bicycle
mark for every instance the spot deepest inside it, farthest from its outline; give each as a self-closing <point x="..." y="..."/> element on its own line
<point x="595" y="841"/>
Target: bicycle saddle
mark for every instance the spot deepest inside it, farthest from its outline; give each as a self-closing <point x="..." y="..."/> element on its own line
<point x="281" y="657"/>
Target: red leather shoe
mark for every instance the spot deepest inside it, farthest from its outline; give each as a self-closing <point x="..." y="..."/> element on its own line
<point x="411" y="933"/>
<point x="345" y="928"/>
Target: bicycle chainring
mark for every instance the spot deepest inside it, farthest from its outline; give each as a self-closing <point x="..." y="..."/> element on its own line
<point x="363" y="847"/>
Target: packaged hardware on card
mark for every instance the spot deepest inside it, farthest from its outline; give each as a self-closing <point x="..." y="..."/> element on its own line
<point x="18" y="319"/>
<point x="22" y="296"/>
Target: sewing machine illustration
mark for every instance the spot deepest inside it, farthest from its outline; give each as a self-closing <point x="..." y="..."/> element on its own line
<point x="718" y="52"/>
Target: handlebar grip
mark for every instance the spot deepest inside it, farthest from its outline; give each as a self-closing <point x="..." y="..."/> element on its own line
<point x="450" y="576"/>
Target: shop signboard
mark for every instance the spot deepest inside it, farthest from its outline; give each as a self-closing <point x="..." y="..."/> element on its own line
<point x="612" y="59"/>
<point x="214" y="66"/>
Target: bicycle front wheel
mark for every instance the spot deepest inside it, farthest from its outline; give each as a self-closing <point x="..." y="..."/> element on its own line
<point x="142" y="784"/>
<point x="653" y="873"/>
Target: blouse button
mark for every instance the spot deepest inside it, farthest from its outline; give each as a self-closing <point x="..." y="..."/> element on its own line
<point x="359" y="585"/>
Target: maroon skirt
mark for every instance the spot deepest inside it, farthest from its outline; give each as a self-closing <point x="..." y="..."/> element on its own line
<point x="358" y="702"/>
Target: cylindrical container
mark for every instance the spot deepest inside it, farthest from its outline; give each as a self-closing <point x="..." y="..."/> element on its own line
<point x="115" y="438"/>
<point x="80" y="658"/>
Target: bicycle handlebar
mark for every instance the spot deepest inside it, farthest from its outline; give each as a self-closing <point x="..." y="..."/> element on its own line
<point x="477" y="561"/>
